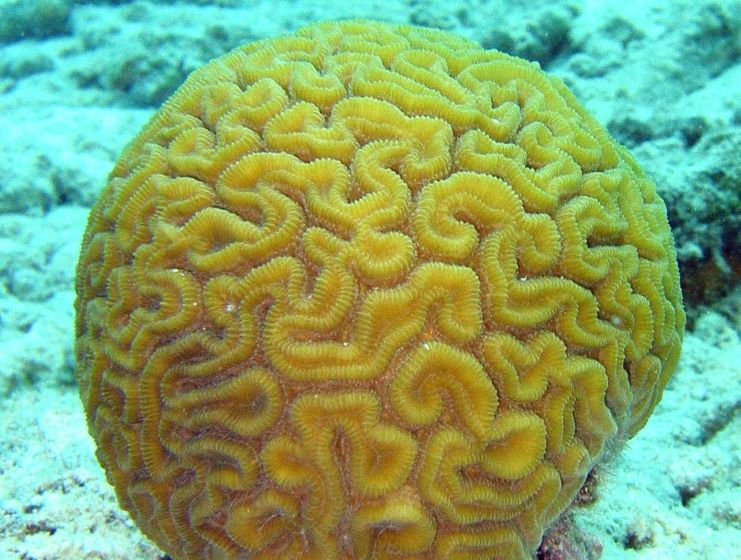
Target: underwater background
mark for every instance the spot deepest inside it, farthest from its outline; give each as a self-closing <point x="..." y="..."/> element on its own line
<point x="78" y="79"/>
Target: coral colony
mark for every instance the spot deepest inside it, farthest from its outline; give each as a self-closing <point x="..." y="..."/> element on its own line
<point x="370" y="291"/>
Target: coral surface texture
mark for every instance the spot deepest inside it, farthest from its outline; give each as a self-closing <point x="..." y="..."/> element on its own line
<point x="369" y="291"/>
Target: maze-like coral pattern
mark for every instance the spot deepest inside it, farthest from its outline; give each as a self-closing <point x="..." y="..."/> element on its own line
<point x="369" y="291"/>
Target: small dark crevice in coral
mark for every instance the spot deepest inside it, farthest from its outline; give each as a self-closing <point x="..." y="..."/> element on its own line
<point x="692" y="130"/>
<point x="711" y="283"/>
<point x="686" y="493"/>
<point x="587" y="494"/>
<point x="722" y="417"/>
<point x="635" y="540"/>
<point x="42" y="527"/>
<point x="631" y="131"/>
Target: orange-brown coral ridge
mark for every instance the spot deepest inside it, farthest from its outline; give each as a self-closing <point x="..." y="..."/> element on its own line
<point x="369" y="291"/>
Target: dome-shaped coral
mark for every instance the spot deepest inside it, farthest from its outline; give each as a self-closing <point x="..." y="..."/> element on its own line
<point x="369" y="291"/>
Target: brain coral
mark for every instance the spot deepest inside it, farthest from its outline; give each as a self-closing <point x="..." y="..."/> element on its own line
<point x="369" y="291"/>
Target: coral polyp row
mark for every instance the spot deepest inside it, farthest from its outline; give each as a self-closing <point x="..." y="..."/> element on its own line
<point x="369" y="292"/>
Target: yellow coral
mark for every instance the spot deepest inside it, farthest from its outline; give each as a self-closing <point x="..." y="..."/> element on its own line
<point x="369" y="291"/>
